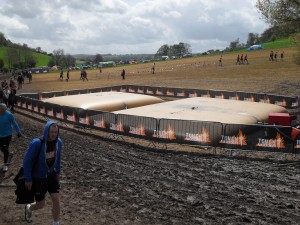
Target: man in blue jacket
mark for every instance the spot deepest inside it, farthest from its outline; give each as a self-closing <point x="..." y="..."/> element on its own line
<point x="41" y="165"/>
<point x="7" y="123"/>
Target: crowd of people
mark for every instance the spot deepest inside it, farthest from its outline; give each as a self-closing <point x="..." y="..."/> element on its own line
<point x="274" y="56"/>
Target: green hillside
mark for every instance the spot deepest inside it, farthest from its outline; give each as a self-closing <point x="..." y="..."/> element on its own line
<point x="42" y="60"/>
<point x="281" y="43"/>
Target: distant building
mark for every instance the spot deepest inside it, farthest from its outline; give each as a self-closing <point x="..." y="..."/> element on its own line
<point x="41" y="69"/>
<point x="107" y="64"/>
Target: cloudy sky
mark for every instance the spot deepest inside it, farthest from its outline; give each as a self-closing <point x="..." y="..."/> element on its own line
<point x="128" y="26"/>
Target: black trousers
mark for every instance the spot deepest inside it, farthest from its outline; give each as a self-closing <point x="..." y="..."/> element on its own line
<point x="4" y="145"/>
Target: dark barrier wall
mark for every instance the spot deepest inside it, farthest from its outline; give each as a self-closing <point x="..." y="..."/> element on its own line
<point x="258" y="137"/>
<point x="189" y="132"/>
<point x="137" y="126"/>
<point x="238" y="136"/>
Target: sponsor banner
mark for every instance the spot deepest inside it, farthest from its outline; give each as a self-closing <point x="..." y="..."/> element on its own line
<point x="257" y="137"/>
<point x="222" y="94"/>
<point x="205" y="94"/>
<point x="70" y="114"/>
<point x="284" y="101"/>
<point x="149" y="90"/>
<point x="189" y="132"/>
<point x="132" y="89"/>
<point x="192" y="93"/>
<point x="136" y="126"/>
<point x="115" y="89"/>
<point x="170" y="92"/>
<point x="102" y="120"/>
<point x="251" y="97"/>
<point x="181" y="93"/>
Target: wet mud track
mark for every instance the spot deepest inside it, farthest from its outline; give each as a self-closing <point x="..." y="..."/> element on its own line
<point x="109" y="182"/>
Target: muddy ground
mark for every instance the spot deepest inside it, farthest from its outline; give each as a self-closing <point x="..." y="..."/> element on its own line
<point x="110" y="182"/>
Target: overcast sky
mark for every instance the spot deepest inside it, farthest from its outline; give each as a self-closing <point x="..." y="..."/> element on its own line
<point x="128" y="26"/>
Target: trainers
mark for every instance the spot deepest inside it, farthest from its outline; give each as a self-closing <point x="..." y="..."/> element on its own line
<point x="5" y="168"/>
<point x="28" y="213"/>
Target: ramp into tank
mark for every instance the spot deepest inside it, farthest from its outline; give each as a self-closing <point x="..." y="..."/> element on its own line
<point x="105" y="101"/>
<point x="208" y="109"/>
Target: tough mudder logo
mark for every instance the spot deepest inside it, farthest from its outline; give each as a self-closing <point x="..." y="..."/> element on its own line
<point x="117" y="127"/>
<point x="239" y="139"/>
<point x="165" y="134"/>
<point x="99" y="123"/>
<point x="137" y="130"/>
<point x="277" y="142"/>
<point x="200" y="137"/>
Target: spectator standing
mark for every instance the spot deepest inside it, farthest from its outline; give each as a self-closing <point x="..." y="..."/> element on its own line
<point x="44" y="177"/>
<point x="7" y="122"/>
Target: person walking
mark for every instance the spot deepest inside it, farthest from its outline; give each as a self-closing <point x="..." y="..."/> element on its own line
<point x="238" y="60"/>
<point x="281" y="56"/>
<point x="246" y="59"/>
<point x="153" y="68"/>
<point x="221" y="61"/>
<point x="7" y="122"/>
<point x="123" y="74"/>
<point x="68" y="76"/>
<point x="44" y="176"/>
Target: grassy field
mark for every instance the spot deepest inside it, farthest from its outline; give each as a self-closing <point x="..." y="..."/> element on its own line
<point x="261" y="75"/>
<point x="42" y="60"/>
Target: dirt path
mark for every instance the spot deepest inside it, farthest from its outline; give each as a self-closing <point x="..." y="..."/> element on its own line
<point x="106" y="182"/>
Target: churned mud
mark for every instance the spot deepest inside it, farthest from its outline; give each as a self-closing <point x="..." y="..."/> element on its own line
<point x="109" y="182"/>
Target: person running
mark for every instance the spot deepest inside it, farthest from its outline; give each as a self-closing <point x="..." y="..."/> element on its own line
<point x="61" y="75"/>
<point x="242" y="59"/>
<point x="237" y="60"/>
<point x="44" y="177"/>
<point x="7" y="122"/>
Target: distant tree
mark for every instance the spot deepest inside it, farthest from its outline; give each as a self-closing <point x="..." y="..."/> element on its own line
<point x="58" y="57"/>
<point x="98" y="58"/>
<point x="68" y="60"/>
<point x="296" y="40"/>
<point x="234" y="44"/>
<point x="252" y="39"/>
<point x="280" y="12"/>
<point x="3" y="41"/>
<point x="163" y="50"/>
<point x="29" y="60"/>
<point x="51" y="62"/>
<point x="13" y="58"/>
<point x="38" y="49"/>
